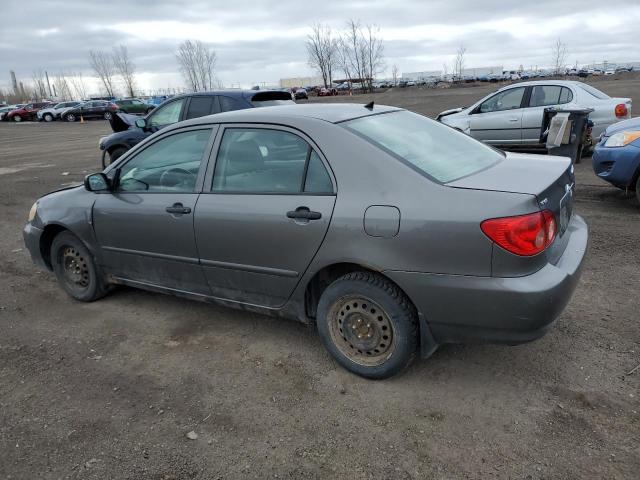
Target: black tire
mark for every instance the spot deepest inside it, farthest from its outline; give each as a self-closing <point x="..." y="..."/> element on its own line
<point x="389" y="321"/>
<point x="75" y="268"/>
<point x="71" y="117"/>
<point x="47" y="117"/>
<point x="114" y="155"/>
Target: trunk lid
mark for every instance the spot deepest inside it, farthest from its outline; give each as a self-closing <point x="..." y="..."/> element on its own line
<point x="549" y="178"/>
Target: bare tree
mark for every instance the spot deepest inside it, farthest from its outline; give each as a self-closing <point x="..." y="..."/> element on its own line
<point x="559" y="56"/>
<point x="354" y="49"/>
<point x="394" y="74"/>
<point x="459" y="63"/>
<point x="61" y="87"/>
<point x="373" y="53"/>
<point x="125" y="68"/>
<point x="77" y="85"/>
<point x="39" y="84"/>
<point x="104" y="69"/>
<point x="321" y="52"/>
<point x="197" y="64"/>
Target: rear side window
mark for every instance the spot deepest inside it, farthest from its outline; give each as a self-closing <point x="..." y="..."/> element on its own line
<point x="542" y="95"/>
<point x="227" y="104"/>
<point x="438" y="151"/>
<point x="252" y="160"/>
<point x="200" y="106"/>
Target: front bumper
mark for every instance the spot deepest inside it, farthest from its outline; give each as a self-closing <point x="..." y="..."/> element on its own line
<point x="616" y="165"/>
<point x="32" y="235"/>
<point x="462" y="309"/>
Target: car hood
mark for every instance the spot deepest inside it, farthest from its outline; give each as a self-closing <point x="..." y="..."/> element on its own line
<point x="122" y="121"/>
<point x="517" y="173"/>
<point x="631" y="124"/>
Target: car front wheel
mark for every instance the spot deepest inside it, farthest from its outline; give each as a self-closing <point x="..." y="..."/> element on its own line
<point x="47" y="117"/>
<point x="368" y="325"/>
<point x="17" y="118"/>
<point x="114" y="155"/>
<point x="71" y="117"/>
<point x="75" y="268"/>
<point x="107" y="115"/>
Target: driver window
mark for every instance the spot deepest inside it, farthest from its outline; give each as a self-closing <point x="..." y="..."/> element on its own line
<point x="169" y="165"/>
<point x="167" y="114"/>
<point x="507" y="100"/>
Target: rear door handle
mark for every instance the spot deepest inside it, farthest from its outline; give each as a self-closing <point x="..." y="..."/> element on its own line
<point x="514" y="119"/>
<point x="303" y="213"/>
<point x="178" y="208"/>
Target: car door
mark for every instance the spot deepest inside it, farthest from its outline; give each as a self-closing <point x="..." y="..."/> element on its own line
<point x="145" y="226"/>
<point x="498" y="119"/>
<point x="264" y="211"/>
<point x="541" y="97"/>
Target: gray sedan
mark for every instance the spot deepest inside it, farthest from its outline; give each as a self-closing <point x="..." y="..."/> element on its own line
<point x="391" y="232"/>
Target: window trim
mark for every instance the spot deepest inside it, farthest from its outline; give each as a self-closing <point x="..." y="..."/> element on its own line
<point x="530" y="95"/>
<point x="133" y="153"/>
<point x="208" y="178"/>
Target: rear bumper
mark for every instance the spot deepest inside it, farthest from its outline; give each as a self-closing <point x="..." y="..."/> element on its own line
<point x="31" y="235"/>
<point x="499" y="310"/>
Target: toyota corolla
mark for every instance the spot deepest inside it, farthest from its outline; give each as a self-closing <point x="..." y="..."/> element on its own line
<point x="391" y="232"/>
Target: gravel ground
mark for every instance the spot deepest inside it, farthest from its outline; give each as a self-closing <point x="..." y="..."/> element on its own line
<point x="113" y="389"/>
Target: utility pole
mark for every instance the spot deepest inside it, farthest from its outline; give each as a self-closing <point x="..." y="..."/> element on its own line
<point x="46" y="74"/>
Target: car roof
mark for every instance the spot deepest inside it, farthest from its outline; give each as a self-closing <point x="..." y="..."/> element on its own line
<point x="565" y="83"/>
<point x="235" y="93"/>
<point x="333" y="113"/>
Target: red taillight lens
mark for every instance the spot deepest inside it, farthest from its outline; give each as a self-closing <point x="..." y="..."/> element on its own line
<point x="524" y="235"/>
<point x="621" y="110"/>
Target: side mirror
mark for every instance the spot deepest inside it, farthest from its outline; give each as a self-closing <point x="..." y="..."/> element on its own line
<point x="141" y="123"/>
<point x="97" y="182"/>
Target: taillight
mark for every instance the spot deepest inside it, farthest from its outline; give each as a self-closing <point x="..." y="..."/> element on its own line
<point x="524" y="235"/>
<point x="621" y="110"/>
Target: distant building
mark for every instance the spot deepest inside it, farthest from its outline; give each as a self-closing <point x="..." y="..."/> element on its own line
<point x="300" y="82"/>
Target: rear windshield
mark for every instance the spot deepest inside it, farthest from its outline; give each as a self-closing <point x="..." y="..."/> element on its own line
<point x="267" y="99"/>
<point x="432" y="148"/>
<point x="594" y="91"/>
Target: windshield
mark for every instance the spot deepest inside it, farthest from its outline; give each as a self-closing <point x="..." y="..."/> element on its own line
<point x="594" y="91"/>
<point x="434" y="149"/>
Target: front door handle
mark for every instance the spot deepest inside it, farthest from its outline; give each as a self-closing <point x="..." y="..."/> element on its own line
<point x="178" y="208"/>
<point x="303" y="213"/>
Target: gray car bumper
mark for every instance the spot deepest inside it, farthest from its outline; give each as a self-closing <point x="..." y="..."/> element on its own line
<point x="461" y="308"/>
<point x="31" y="235"/>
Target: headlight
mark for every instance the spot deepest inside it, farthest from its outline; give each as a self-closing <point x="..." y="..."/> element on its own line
<point x="33" y="211"/>
<point x="621" y="139"/>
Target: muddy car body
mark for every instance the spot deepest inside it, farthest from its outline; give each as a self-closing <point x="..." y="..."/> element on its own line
<point x="330" y="214"/>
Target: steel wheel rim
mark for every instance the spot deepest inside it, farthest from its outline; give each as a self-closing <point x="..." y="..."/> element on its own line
<point x="75" y="268"/>
<point x="361" y="330"/>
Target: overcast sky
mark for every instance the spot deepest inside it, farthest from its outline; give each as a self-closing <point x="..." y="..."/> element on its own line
<point x="264" y="41"/>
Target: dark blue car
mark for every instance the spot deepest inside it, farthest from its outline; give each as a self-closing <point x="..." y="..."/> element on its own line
<point x="616" y="157"/>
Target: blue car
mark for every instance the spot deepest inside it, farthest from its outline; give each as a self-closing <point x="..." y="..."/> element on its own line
<point x="616" y="157"/>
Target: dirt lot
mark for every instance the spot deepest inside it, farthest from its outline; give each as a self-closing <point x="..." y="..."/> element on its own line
<point x="109" y="389"/>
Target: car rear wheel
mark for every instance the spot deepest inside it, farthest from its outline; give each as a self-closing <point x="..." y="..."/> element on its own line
<point x="107" y="115"/>
<point x="368" y="325"/>
<point x="47" y="117"/>
<point x="71" y="117"/>
<point x="17" y="118"/>
<point x="76" y="269"/>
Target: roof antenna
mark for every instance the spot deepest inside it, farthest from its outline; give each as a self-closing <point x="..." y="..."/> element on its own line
<point x="369" y="105"/>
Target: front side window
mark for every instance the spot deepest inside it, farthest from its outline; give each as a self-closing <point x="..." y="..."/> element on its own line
<point x="430" y="147"/>
<point x="252" y="160"/>
<point x="167" y="114"/>
<point x="169" y="165"/>
<point x="507" y="100"/>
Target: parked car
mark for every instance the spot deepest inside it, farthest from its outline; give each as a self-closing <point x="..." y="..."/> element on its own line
<point x="300" y="93"/>
<point x="610" y="71"/>
<point x="328" y="92"/>
<point x="616" y="157"/>
<point x="53" y="113"/>
<point x="278" y="210"/>
<point x="512" y="116"/>
<point x="4" y="111"/>
<point x="130" y="130"/>
<point x="91" y="109"/>
<point x="133" y="105"/>
<point x="26" y="112"/>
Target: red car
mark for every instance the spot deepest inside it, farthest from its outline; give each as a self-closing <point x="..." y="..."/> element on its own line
<point x="327" y="92"/>
<point x="28" y="112"/>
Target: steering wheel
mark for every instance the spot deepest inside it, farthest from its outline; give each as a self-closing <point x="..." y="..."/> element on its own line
<point x="174" y="176"/>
